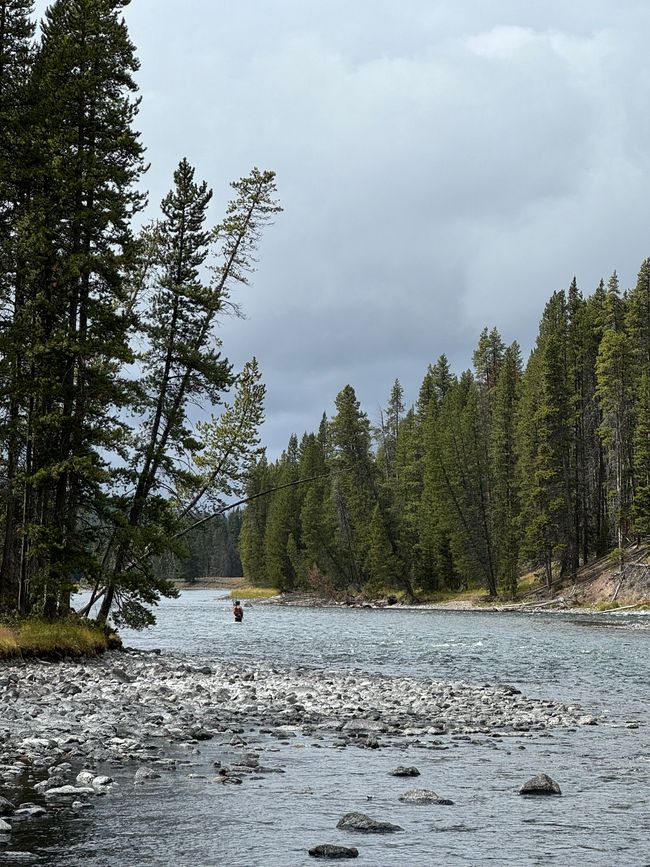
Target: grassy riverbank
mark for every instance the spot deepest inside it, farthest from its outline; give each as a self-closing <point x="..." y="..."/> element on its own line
<point x="57" y="639"/>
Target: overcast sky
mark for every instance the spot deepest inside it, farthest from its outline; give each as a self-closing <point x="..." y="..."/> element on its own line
<point x="443" y="165"/>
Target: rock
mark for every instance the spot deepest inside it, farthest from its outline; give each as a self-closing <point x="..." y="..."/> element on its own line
<point x="6" y="807"/>
<point x="405" y="772"/>
<point x="361" y="822"/>
<point x="364" y="725"/>
<point x="5" y="827"/>
<point x="85" y="778"/>
<point x="29" y="811"/>
<point x="65" y="791"/>
<point x="143" y="774"/>
<point x="329" y="851"/>
<point x="101" y="782"/>
<point x="540" y="785"/>
<point x="423" y="796"/>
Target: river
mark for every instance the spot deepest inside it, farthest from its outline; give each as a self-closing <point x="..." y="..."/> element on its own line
<point x="601" y="664"/>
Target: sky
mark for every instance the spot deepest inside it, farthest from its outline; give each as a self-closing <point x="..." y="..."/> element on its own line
<point x="443" y="165"/>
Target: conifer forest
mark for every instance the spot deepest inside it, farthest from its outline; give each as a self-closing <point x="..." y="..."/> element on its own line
<point x="494" y="472"/>
<point x="109" y="326"/>
<point x="123" y="424"/>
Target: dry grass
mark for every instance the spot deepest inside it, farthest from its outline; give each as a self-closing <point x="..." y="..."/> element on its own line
<point x="62" y="638"/>
<point x="253" y="592"/>
<point x="8" y="641"/>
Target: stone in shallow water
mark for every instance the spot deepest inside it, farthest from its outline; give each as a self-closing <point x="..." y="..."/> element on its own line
<point x="329" y="851"/>
<point x="69" y="791"/>
<point x="143" y="774"/>
<point x="540" y="785"/>
<point x="5" y="827"/>
<point x="361" y="822"/>
<point x="6" y="807"/>
<point x="30" y="811"/>
<point x="405" y="772"/>
<point x="423" y="796"/>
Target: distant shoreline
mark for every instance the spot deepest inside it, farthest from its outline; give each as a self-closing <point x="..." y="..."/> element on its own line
<point x="558" y="605"/>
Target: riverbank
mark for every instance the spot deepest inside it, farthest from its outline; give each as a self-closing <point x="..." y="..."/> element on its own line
<point x="182" y="757"/>
<point x="599" y="586"/>
<point x="54" y="640"/>
<point x="65" y="726"/>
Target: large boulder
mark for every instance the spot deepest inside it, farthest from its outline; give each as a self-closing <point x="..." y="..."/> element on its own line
<point x="361" y="822"/>
<point x="329" y="851"/>
<point x="540" y="785"/>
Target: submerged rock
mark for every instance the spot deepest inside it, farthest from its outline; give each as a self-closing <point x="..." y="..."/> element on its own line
<point x="405" y="772"/>
<point x="143" y="774"/>
<point x="361" y="822"/>
<point x="540" y="785"/>
<point x="423" y="796"/>
<point x="30" y="811"/>
<point x="6" y="807"/>
<point x="329" y="851"/>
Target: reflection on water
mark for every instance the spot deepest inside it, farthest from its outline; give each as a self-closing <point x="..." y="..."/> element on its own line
<point x="602" y="817"/>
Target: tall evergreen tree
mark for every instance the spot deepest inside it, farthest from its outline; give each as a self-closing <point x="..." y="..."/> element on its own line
<point x="545" y="436"/>
<point x="503" y="461"/>
<point x="615" y="369"/>
<point x="641" y="444"/>
<point x="182" y="363"/>
<point x="16" y="55"/>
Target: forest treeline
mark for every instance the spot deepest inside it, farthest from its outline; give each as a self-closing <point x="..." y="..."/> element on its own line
<point x="505" y="468"/>
<point x="212" y="549"/>
<point x="108" y="329"/>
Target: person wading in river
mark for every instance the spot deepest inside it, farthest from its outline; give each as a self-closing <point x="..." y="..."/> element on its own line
<point x="238" y="611"/>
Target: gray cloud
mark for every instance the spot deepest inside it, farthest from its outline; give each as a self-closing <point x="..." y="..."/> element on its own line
<point x="443" y="166"/>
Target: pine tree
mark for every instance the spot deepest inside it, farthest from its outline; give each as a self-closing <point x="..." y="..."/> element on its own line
<point x="253" y="530"/>
<point x="182" y="363"/>
<point x="545" y="437"/>
<point x="354" y="485"/>
<point x="641" y="502"/>
<point x="503" y="461"/>
<point x="16" y="55"/>
<point x="282" y="532"/>
<point x="84" y="161"/>
<point x="615" y="369"/>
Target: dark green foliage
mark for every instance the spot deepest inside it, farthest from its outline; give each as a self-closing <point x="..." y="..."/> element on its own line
<point x="541" y="466"/>
<point x="103" y="469"/>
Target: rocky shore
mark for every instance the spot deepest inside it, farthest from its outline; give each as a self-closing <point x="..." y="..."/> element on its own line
<point x="64" y="725"/>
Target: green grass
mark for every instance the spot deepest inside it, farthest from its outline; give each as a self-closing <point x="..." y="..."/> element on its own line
<point x="253" y="593"/>
<point x="607" y="606"/>
<point x="33" y="637"/>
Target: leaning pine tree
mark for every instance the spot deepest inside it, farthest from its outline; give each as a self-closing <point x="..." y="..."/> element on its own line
<point x="182" y="365"/>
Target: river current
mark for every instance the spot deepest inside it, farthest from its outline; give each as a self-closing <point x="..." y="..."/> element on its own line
<point x="601" y="664"/>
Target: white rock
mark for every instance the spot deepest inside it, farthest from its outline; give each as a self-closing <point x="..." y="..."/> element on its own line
<point x="85" y="778"/>
<point x="101" y="782"/>
<point x="69" y="790"/>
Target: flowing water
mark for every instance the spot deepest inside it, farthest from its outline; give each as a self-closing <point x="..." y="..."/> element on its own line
<point x="603" y="817"/>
